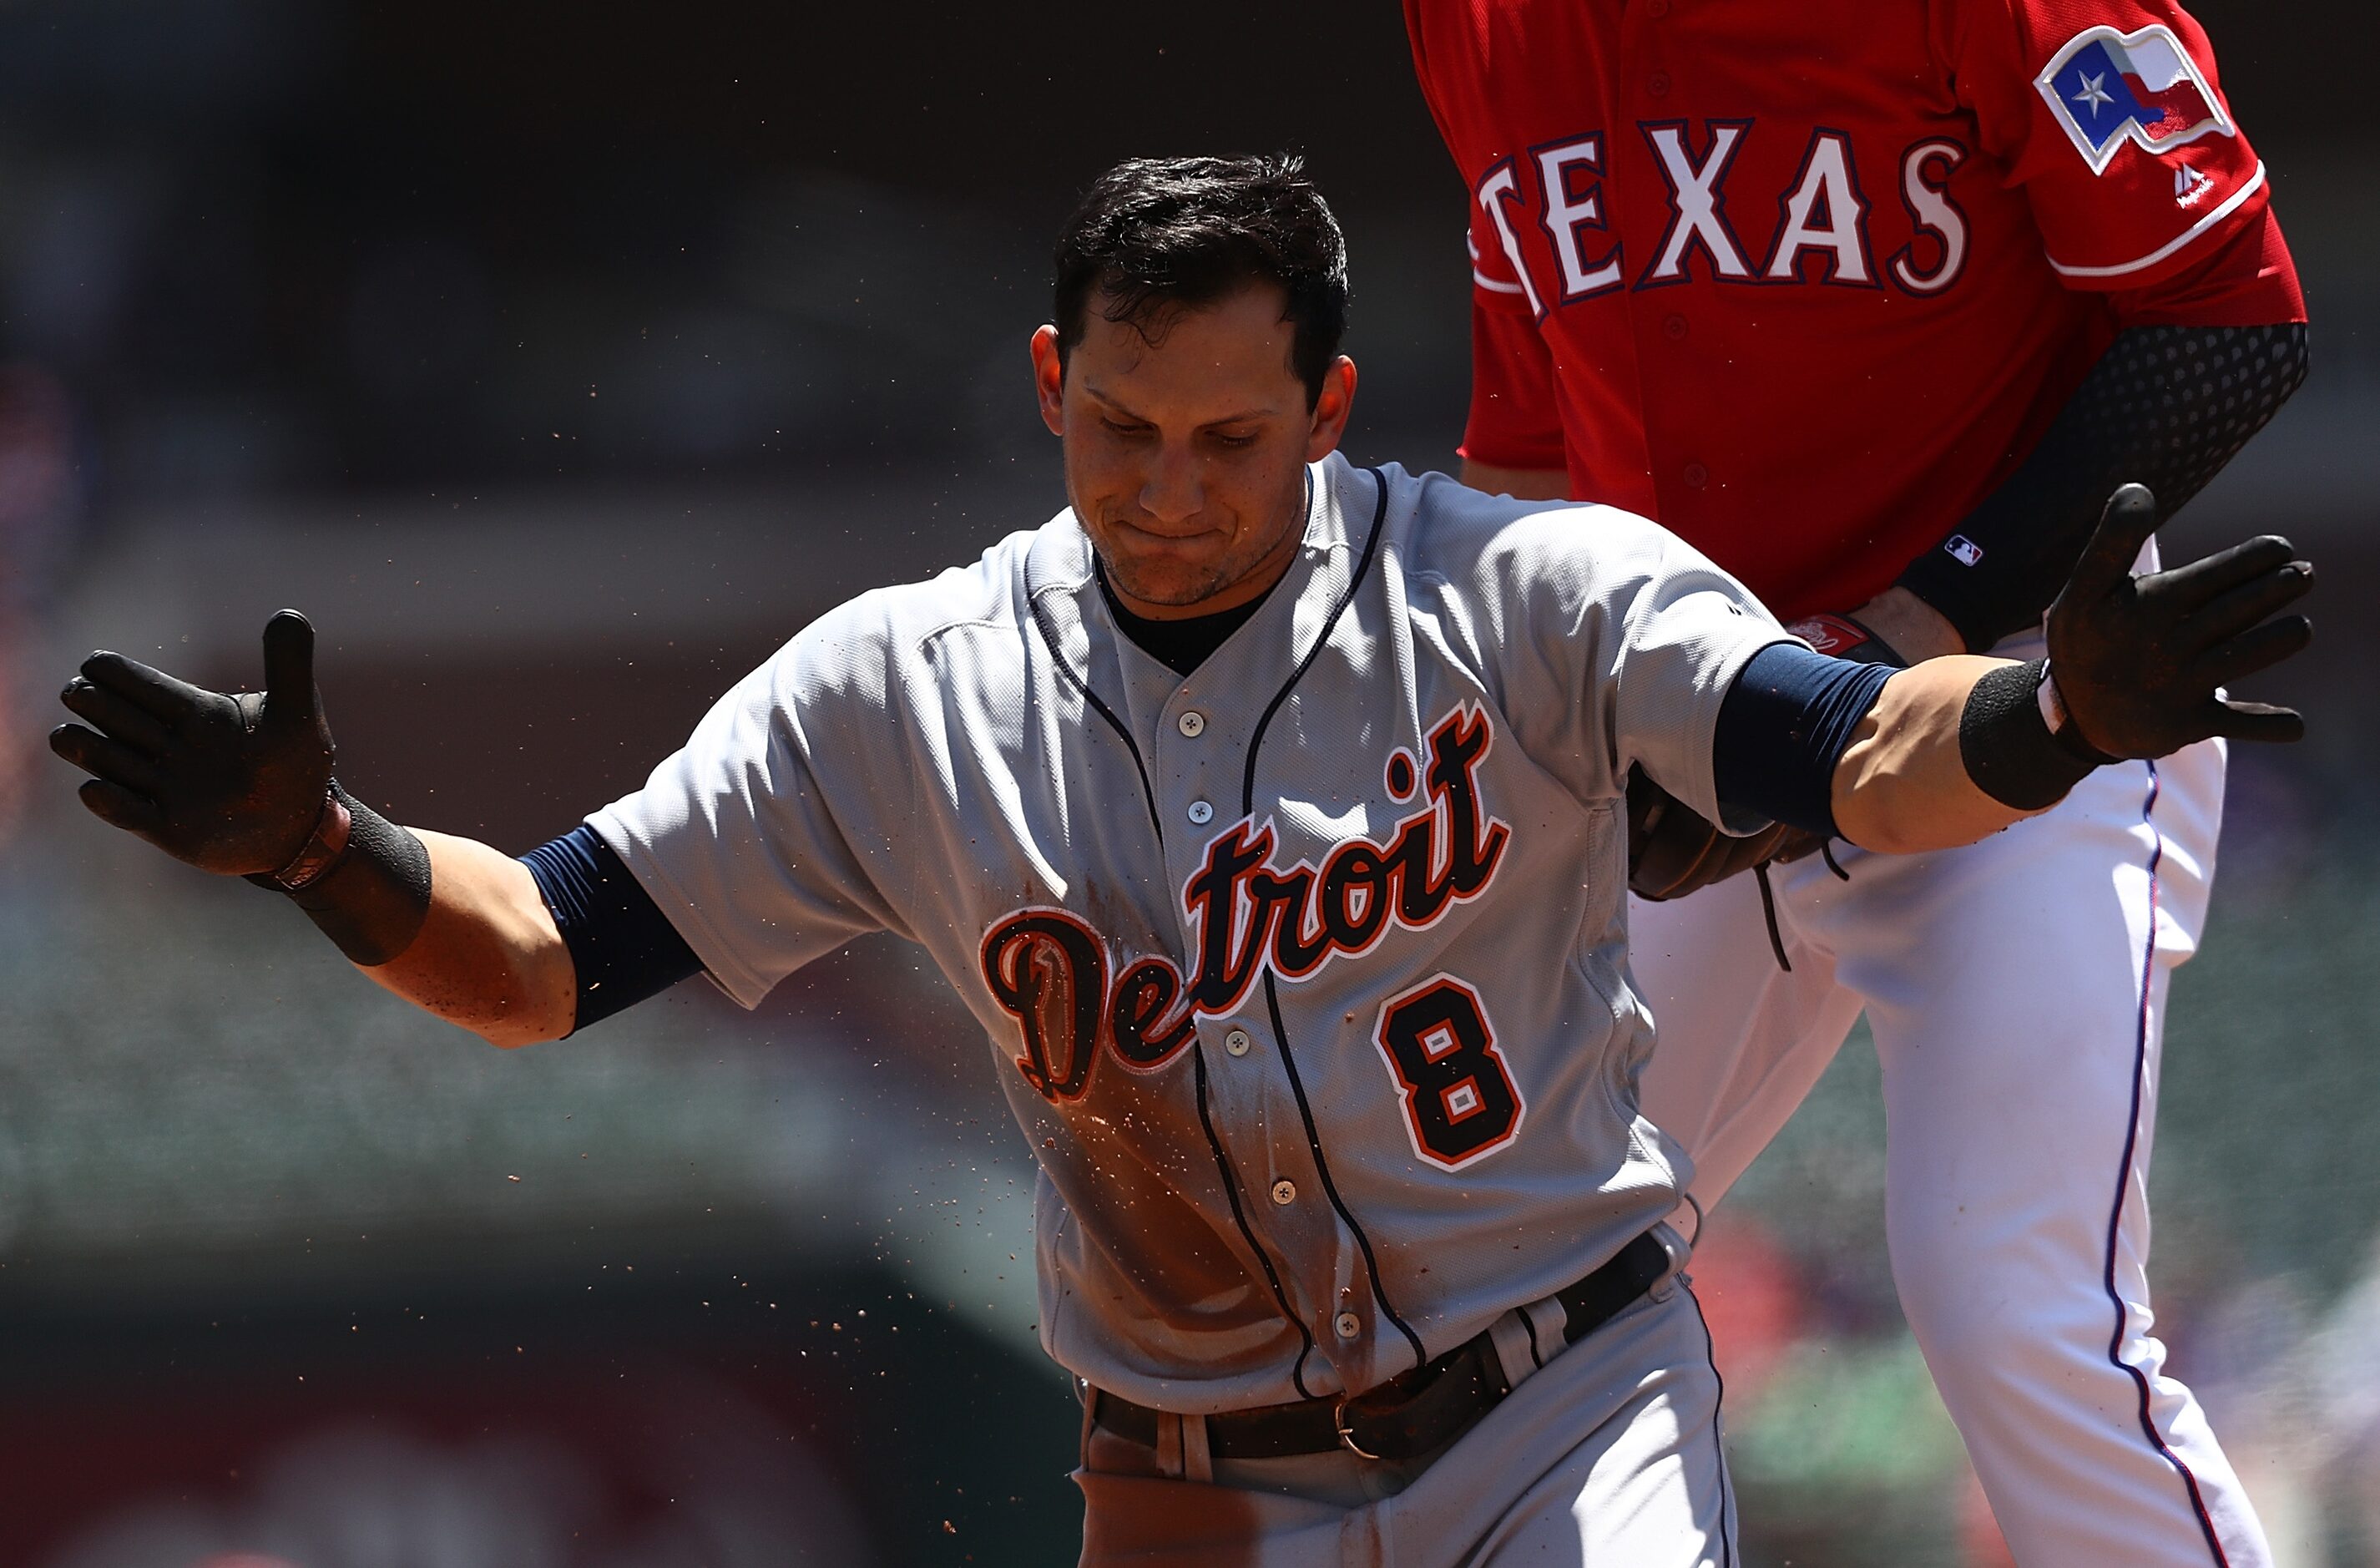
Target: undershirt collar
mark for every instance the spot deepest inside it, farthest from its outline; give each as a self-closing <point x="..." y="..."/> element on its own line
<point x="1180" y="645"/>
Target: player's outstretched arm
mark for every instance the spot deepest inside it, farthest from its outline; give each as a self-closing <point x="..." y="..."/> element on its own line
<point x="488" y="956"/>
<point x="241" y="786"/>
<point x="1958" y="748"/>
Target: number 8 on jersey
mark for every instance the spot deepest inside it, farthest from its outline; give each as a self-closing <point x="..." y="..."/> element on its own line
<point x="1459" y="1099"/>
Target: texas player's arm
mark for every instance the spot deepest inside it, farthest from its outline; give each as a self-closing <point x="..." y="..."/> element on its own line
<point x="2175" y="229"/>
<point x="1512" y="438"/>
<point x="1956" y="748"/>
<point x="2173" y="399"/>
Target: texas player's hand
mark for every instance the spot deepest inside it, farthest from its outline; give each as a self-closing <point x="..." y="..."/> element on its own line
<point x="2138" y="662"/>
<point x="232" y="785"/>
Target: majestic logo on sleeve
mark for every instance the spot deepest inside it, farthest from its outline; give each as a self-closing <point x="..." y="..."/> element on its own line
<point x="1049" y="971"/>
<point x="2108" y="86"/>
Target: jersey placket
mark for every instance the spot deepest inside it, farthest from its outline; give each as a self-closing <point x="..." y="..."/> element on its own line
<point x="1195" y="733"/>
<point x="1258" y="1133"/>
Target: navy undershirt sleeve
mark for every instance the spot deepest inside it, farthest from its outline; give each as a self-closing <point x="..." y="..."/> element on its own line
<point x="1786" y="721"/>
<point x="623" y="946"/>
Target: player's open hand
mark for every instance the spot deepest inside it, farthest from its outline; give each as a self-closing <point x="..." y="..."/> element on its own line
<point x="2139" y="661"/>
<point x="233" y="784"/>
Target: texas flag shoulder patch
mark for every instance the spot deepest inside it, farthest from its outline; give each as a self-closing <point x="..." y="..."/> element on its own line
<point x="2107" y="87"/>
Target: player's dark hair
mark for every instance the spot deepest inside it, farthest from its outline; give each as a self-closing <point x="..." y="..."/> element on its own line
<point x="1156" y="235"/>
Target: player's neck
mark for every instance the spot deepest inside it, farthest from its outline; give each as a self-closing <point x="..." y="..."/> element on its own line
<point x="1181" y="643"/>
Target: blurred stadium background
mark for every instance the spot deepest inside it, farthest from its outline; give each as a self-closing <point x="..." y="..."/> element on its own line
<point x="560" y="361"/>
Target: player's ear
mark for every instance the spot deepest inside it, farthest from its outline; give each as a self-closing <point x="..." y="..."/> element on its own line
<point x="1048" y="378"/>
<point x="1331" y="409"/>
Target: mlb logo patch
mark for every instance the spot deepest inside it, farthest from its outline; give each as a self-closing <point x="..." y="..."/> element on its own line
<point x="2107" y="87"/>
<point x="1966" y="550"/>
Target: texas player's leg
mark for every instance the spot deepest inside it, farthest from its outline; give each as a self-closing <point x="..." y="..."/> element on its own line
<point x="2016" y="989"/>
<point x="2004" y="982"/>
<point x="1739" y="1041"/>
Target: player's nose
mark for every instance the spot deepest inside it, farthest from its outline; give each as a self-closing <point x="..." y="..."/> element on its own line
<point x="1171" y="490"/>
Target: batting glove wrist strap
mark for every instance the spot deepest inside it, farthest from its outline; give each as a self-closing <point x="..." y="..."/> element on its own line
<point x="372" y="902"/>
<point x="322" y="850"/>
<point x="2006" y="741"/>
<point x="361" y="879"/>
<point x="2069" y="735"/>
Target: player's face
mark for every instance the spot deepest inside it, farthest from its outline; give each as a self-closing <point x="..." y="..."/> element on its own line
<point x="1185" y="450"/>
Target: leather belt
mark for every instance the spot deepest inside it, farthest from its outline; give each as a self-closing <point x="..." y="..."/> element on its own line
<point x="1414" y="1412"/>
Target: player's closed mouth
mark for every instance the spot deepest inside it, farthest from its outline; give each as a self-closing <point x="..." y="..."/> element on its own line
<point x="1160" y="531"/>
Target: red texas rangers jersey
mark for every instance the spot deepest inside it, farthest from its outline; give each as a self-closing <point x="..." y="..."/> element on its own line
<point x="1813" y="278"/>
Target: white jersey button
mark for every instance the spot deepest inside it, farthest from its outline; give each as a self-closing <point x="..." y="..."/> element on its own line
<point x="1201" y="813"/>
<point x="1192" y="723"/>
<point x="1237" y="1042"/>
<point x="1285" y="1191"/>
<point x="1348" y="1325"/>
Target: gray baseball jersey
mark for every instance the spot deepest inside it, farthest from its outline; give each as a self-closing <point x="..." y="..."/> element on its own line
<point x="1306" y="973"/>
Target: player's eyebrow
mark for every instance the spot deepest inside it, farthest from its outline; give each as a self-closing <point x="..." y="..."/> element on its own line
<point x="1115" y="406"/>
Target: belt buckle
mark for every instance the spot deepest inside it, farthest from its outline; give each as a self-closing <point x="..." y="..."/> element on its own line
<point x="1346" y="1434"/>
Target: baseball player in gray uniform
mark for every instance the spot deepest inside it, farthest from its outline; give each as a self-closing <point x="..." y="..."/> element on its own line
<point x="1267" y="811"/>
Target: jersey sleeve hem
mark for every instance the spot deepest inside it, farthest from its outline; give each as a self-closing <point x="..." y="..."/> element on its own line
<point x="1518" y="454"/>
<point x="1513" y="421"/>
<point x="2213" y="220"/>
<point x="743" y="985"/>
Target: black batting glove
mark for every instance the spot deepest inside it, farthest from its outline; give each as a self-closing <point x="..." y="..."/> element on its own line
<point x="233" y="784"/>
<point x="2138" y="662"/>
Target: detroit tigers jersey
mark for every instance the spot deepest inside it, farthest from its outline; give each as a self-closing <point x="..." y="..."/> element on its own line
<point x="1813" y="278"/>
<point x="1305" y="974"/>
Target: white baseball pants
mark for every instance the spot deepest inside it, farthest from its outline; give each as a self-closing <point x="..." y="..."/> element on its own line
<point x="2016" y="989"/>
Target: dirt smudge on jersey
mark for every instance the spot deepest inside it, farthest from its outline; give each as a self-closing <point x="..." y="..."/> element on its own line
<point x="1133" y="1513"/>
